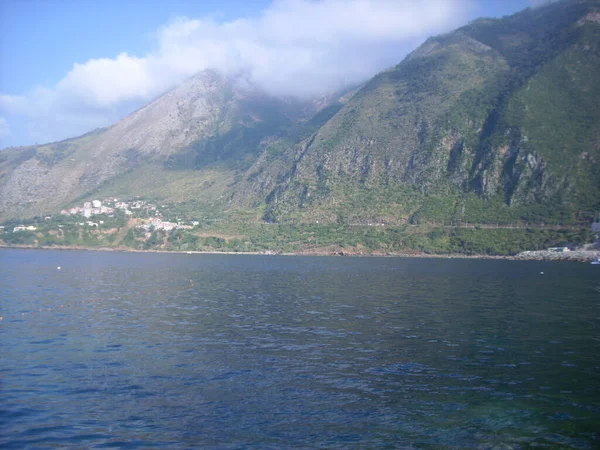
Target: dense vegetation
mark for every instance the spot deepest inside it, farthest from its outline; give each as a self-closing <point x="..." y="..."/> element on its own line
<point x="237" y="234"/>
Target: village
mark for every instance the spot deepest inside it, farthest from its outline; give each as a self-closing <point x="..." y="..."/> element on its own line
<point x="147" y="214"/>
<point x="144" y="214"/>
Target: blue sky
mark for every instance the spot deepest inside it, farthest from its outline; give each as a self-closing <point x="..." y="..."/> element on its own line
<point x="69" y="66"/>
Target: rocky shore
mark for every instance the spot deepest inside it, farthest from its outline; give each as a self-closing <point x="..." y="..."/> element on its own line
<point x="532" y="255"/>
<point x="549" y="255"/>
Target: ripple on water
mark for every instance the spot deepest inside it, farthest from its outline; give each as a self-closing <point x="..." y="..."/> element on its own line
<point x="296" y="353"/>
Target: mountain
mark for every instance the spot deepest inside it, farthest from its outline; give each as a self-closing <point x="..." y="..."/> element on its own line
<point x="499" y="120"/>
<point x="496" y="122"/>
<point x="209" y="121"/>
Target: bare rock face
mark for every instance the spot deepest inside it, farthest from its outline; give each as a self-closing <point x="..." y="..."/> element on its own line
<point x="178" y="118"/>
<point x="26" y="183"/>
<point x="33" y="188"/>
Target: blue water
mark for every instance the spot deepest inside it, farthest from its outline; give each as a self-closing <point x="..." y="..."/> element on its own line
<point x="118" y="350"/>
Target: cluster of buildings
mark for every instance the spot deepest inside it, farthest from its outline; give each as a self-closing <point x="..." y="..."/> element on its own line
<point x="89" y="209"/>
<point x="109" y="206"/>
<point x="157" y="223"/>
<point x="150" y="219"/>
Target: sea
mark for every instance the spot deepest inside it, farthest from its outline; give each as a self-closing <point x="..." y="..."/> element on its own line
<point x="144" y="350"/>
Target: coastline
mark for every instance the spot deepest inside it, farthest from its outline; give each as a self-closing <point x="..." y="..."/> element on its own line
<point x="537" y="255"/>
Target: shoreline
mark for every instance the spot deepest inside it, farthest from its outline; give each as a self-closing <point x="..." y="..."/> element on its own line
<point x="536" y="255"/>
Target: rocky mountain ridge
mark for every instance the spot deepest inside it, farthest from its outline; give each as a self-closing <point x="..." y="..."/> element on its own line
<point x="40" y="179"/>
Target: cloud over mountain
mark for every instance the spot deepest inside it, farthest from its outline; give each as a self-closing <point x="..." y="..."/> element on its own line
<point x="294" y="47"/>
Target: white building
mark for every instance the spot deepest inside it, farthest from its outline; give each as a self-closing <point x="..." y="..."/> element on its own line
<point x="96" y="203"/>
<point x="24" y="228"/>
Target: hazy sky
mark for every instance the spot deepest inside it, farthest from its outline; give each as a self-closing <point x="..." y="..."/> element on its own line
<point x="69" y="66"/>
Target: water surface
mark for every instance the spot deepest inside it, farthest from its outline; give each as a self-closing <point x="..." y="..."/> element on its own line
<point x="122" y="350"/>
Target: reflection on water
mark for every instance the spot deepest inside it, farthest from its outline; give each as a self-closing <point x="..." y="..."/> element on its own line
<point x="142" y="350"/>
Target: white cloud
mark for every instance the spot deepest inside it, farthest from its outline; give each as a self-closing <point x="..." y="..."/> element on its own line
<point x="295" y="47"/>
<point x="4" y="128"/>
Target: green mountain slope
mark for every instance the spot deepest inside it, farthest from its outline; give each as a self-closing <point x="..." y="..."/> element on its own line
<point x="498" y="120"/>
